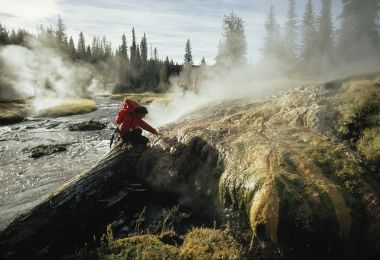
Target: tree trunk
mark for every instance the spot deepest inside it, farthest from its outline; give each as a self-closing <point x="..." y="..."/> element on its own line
<point x="54" y="225"/>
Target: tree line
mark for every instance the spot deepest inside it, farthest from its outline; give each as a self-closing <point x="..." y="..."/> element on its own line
<point x="311" y="45"/>
<point x="130" y="65"/>
<point x="307" y="46"/>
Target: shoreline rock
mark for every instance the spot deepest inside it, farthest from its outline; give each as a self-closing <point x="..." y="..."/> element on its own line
<point x="87" y="126"/>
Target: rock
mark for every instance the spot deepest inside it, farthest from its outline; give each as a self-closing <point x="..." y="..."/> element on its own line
<point x="87" y="126"/>
<point x="43" y="149"/>
<point x="284" y="163"/>
<point x="13" y="111"/>
<point x="171" y="238"/>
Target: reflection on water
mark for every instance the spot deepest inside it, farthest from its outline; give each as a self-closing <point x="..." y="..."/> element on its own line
<point x="25" y="181"/>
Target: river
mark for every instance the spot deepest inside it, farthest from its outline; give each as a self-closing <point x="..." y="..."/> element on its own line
<point x="25" y="181"/>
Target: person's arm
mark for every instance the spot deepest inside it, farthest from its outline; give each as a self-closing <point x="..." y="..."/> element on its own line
<point x="144" y="125"/>
<point x="126" y="125"/>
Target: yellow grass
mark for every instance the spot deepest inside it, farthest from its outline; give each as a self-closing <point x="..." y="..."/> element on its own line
<point x="200" y="243"/>
<point x="69" y="107"/>
<point x="12" y="111"/>
<point x="143" y="98"/>
<point x="205" y="243"/>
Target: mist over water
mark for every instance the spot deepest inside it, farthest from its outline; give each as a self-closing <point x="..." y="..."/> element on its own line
<point x="42" y="75"/>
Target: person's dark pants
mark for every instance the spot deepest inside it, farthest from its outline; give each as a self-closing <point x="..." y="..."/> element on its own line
<point x="135" y="137"/>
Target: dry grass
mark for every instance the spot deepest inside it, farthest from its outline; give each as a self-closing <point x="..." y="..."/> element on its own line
<point x="69" y="107"/>
<point x="369" y="144"/>
<point x="13" y="111"/>
<point x="200" y="243"/>
<point x="143" y="98"/>
<point x="358" y="104"/>
<point x="140" y="247"/>
<point x="204" y="243"/>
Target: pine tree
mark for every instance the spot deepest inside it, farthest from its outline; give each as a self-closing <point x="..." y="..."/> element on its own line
<point x="155" y="53"/>
<point x="3" y="35"/>
<point x="203" y="61"/>
<point x="123" y="62"/>
<point x="88" y="53"/>
<point x="359" y="35"/>
<point x="133" y="48"/>
<point x="233" y="48"/>
<point x="60" y="34"/>
<point x="144" y="49"/>
<point x="271" y="41"/>
<point x="123" y="49"/>
<point x="289" y="52"/>
<point x="19" y="37"/>
<point x="71" y="49"/>
<point x="325" y="38"/>
<point x="95" y="49"/>
<point x="308" y="35"/>
<point x="164" y="72"/>
<point x="47" y="36"/>
<point x="81" y="48"/>
<point x="107" y="48"/>
<point x="220" y="56"/>
<point x="188" y="58"/>
<point x="138" y="56"/>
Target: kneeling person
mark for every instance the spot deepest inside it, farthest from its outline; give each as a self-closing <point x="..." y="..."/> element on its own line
<point x="130" y="130"/>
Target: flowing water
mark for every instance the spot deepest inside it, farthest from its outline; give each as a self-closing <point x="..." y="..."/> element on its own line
<point x="25" y="181"/>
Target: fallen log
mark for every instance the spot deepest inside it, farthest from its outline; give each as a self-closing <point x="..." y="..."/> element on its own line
<point x="51" y="227"/>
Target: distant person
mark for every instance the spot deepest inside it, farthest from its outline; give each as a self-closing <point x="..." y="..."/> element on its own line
<point x="130" y="120"/>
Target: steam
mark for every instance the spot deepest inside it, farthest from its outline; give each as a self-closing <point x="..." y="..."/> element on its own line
<point x="282" y="66"/>
<point x="248" y="82"/>
<point x="41" y="74"/>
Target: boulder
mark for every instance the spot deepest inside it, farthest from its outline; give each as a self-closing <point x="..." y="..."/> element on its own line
<point x="87" y="126"/>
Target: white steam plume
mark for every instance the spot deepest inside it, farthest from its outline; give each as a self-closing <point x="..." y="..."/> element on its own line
<point x="253" y="83"/>
<point x="41" y="74"/>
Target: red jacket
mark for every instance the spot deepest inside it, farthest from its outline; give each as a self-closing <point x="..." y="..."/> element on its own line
<point x="128" y="119"/>
<point x="131" y="121"/>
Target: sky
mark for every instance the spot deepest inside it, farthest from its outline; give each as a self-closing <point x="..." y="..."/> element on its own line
<point x="167" y="23"/>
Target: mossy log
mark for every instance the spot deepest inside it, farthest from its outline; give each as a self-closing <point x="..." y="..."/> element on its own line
<point x="56" y="223"/>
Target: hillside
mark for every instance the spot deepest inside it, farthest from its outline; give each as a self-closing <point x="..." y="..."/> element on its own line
<point x="302" y="166"/>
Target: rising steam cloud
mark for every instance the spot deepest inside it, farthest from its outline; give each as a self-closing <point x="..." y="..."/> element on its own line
<point x="248" y="82"/>
<point x="42" y="75"/>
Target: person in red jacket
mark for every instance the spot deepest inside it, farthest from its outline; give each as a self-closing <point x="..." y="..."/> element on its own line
<point x="130" y="128"/>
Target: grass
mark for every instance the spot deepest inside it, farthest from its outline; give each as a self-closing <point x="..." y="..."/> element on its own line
<point x="69" y="107"/>
<point x="143" y="98"/>
<point x="369" y="145"/>
<point x="12" y="111"/>
<point x="358" y="117"/>
<point x="204" y="243"/>
<point x="199" y="243"/>
<point x="358" y="106"/>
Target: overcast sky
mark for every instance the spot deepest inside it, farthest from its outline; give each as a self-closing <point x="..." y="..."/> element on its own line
<point x="167" y="23"/>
